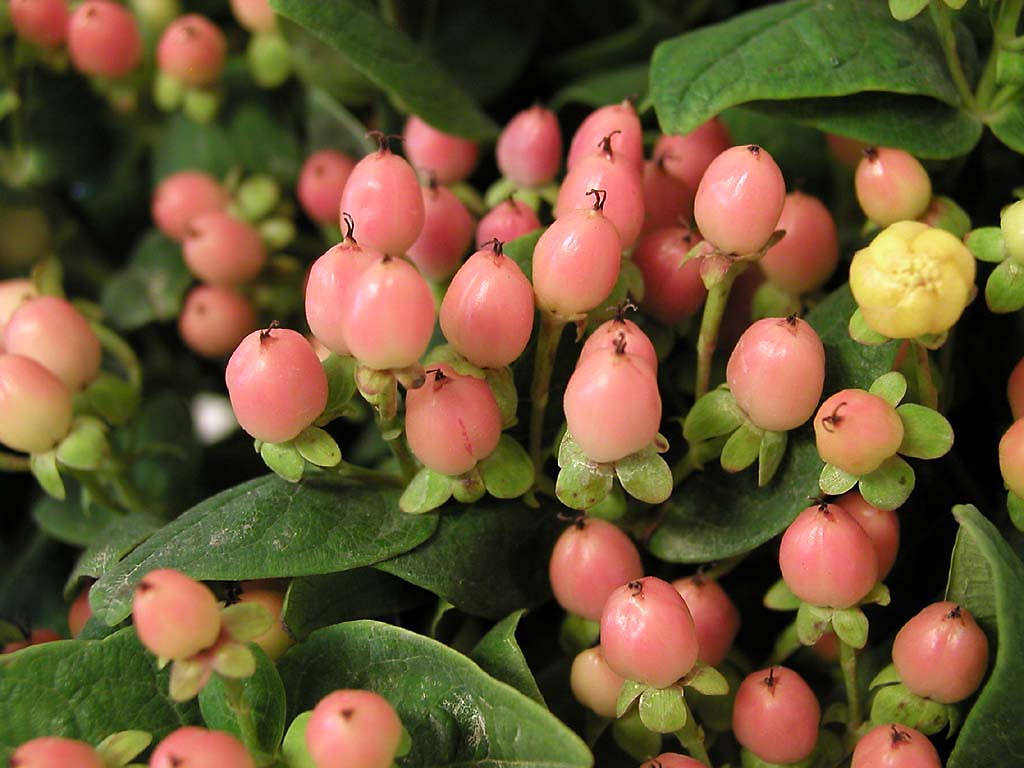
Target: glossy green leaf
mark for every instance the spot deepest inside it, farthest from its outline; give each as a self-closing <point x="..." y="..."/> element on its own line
<point x="1004" y="291"/>
<point x="499" y="655"/>
<point x="321" y="67"/>
<point x="253" y="129"/>
<point x="119" y="536"/>
<point x="85" y="689"/>
<point x="713" y="415"/>
<point x="889" y="486"/>
<point x="663" y="710"/>
<point x="456" y="714"/>
<point x="508" y="472"/>
<point x="151" y="288"/>
<point x="388" y="58"/>
<point x="986" y="243"/>
<point x="187" y="145"/>
<point x="1008" y="124"/>
<point x="329" y="125"/>
<point x="266" y="528"/>
<point x="926" y="433"/>
<point x="263" y="694"/>
<point x="891" y="387"/>
<point x="70" y="522"/>
<point x="987" y="577"/>
<point x="600" y="88"/>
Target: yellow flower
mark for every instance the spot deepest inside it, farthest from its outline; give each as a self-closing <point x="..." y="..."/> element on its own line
<point x="912" y="280"/>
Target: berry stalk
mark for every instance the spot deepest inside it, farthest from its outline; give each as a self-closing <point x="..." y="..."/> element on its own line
<point x="711" y="321"/>
<point x="365" y="474"/>
<point x="848" y="665"/>
<point x="925" y="382"/>
<point x="943" y="19"/>
<point x="11" y="462"/>
<point x="691" y="736"/>
<point x="122" y="352"/>
<point x="540" y="388"/>
<point x="234" y="695"/>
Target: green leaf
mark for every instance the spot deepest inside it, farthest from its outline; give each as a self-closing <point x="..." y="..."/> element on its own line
<point x="851" y="626"/>
<point x="801" y="152"/>
<point x="70" y="522"/>
<point x="87" y="690"/>
<point x="987" y="577"/>
<point x="321" y="67"/>
<point x="1008" y="125"/>
<point x="904" y="10"/>
<point x="341" y="385"/>
<point x="329" y="125"/>
<point x="645" y="476"/>
<point x="388" y="58"/>
<point x="663" y="710"/>
<point x="317" y="447"/>
<point x="427" y="491"/>
<point x="715" y="515"/>
<point x="742" y="448"/>
<point x="520" y="250"/>
<point x="293" y="748"/>
<point x="986" y="243"/>
<point x="187" y="145"/>
<point x="707" y="680"/>
<point x="488" y="559"/>
<point x="119" y="536"/>
<point x="1015" y="508"/>
<point x="262" y="693"/>
<point x="151" y="288"/>
<point x="44" y="469"/>
<point x="889" y="486"/>
<point x="581" y="483"/>
<point x="1004" y="291"/>
<point x="714" y="415"/>
<point x="112" y="398"/>
<point x="284" y="459"/>
<point x="600" y="88"/>
<point x="630" y="692"/>
<point x="896" y="704"/>
<point x="455" y="713"/>
<point x="779" y="597"/>
<point x="266" y="528"/>
<point x="498" y="655"/>
<point x="773" y="448"/>
<point x="253" y="131"/>
<point x="508" y="471"/>
<point x="891" y="387"/>
<point x="926" y="433"/>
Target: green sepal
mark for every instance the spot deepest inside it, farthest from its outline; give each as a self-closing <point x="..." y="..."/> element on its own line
<point x="111" y="398"/>
<point x="341" y="387"/>
<point x="663" y="710"/>
<point x="851" y="626"/>
<point x="187" y="679"/>
<point x="889" y="486"/>
<point x="645" y="476"/>
<point x="835" y="481"/>
<point x="905" y="10"/>
<point x="812" y="621"/>
<point x="634" y="738"/>
<point x="887" y="676"/>
<point x="879" y="595"/>
<point x="44" y="468"/>
<point x="469" y="197"/>
<point x="86" y="446"/>
<point x="503" y="387"/>
<point x="749" y="760"/>
<point x="201" y="105"/>
<point x="926" y="433"/>
<point x="469" y="487"/>
<point x="284" y="459"/>
<point x="707" y="680"/>
<point x="1004" y="291"/>
<point x="946" y="214"/>
<point x="234" y="660"/>
<point x="612" y="507"/>
<point x="119" y="749"/>
<point x="447" y="355"/>
<point x="956" y="5"/>
<point x="581" y="483"/>
<point x="293" y="748"/>
<point x="713" y="268"/>
<point x="246" y="621"/>
<point x="168" y="92"/>
<point x="891" y="387"/>
<point x="896" y="704"/>
<point x="773" y="449"/>
<point x="713" y="415"/>
<point x="932" y="341"/>
<point x="863" y="333"/>
<point x="427" y="491"/>
<point x="1015" y="507"/>
<point x="701" y="249"/>
<point x="986" y="243"/>
<point x="771" y="301"/>
<point x="742" y="448"/>
<point x="1010" y="67"/>
<point x="317" y="447"/>
<point x="404" y="744"/>
<point x="780" y="598"/>
<point x="499" y="192"/>
<point x="379" y="389"/>
<point x="955" y="717"/>
<point x="630" y="692"/>
<point x="838" y="712"/>
<point x="48" y="276"/>
<point x="576" y="634"/>
<point x="508" y="472"/>
<point x="547" y="192"/>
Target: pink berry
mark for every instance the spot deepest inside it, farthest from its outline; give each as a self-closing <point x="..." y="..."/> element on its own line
<point x="856" y="431"/>
<point x="687" y="157"/>
<point x="613" y="172"/>
<point x="714" y="615"/>
<point x="214" y="320"/>
<point x="35" y="407"/>
<point x="175" y="616"/>
<point x="1014" y="386"/>
<point x="740" y="199"/>
<point x="254" y="15"/>
<point x="808" y="255"/>
<point x="613" y="332"/>
<point x="846" y="150"/>
<point x="827" y="647"/>
<point x="390" y="317"/>
<point x="276" y="384"/>
<point x="449" y="158"/>
<point x="55" y="752"/>
<point x="529" y="149"/>
<point x="591" y="559"/>
<point x="52" y="332"/>
<point x="827" y="559"/>
<point x="668" y="202"/>
<point x="576" y="262"/>
<point x="487" y="311"/>
<point x="776" y="715"/>
<point x="507" y="221"/>
<point x="603" y="122"/>
<point x="1011" y="457"/>
<point x="182" y="197"/>
<point x="776" y="372"/>
<point x="383" y="196"/>
<point x="41" y="22"/>
<point x="891" y="186"/>
<point x="452" y="421"/>
<point x="672" y="760"/>
<point x="276" y="640"/>
<point x="79" y="613"/>
<point x="647" y="633"/>
<point x="672" y="293"/>
<point x="895" y="746"/>
<point x="223" y="250"/>
<point x="104" y="39"/>
<point x="193" y="747"/>
<point x="612" y="405"/>
<point x="446" y="235"/>
<point x="321" y="182"/>
<point x="13" y="293"/>
<point x="35" y="637"/>
<point x="192" y="49"/>
<point x="882" y="526"/>
<point x="941" y="653"/>
<point x="594" y="684"/>
<point x="353" y="729"/>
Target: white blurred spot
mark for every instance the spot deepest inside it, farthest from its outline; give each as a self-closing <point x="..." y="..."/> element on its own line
<point x="212" y="417"/>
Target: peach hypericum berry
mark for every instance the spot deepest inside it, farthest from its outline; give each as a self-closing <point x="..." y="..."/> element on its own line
<point x="223" y="250"/>
<point x="449" y="158"/>
<point x="192" y="50"/>
<point x="487" y="311"/>
<point x="1011" y="457"/>
<point x="276" y="640"/>
<point x="353" y="729"/>
<point x="321" y="181"/>
<point x="614" y="118"/>
<point x="104" y="39"/>
<point x="182" y="197"/>
<point x="193" y="747"/>
<point x="827" y="559"/>
<point x="214" y="320"/>
<point x="452" y="421"/>
<point x="847" y="151"/>
<point x="52" y="332"/>
<point x="175" y="616"/>
<point x="856" y="431"/>
<point x="1014" y="385"/>
<point x="672" y="760"/>
<point x="668" y="202"/>
<point x="776" y="372"/>
<point x="506" y="221"/>
<point x="594" y="684"/>
<point x="941" y="653"/>
<point x="714" y="615"/>
<point x="806" y="257"/>
<point x="255" y="15"/>
<point x="55" y="752"/>
<point x="529" y="149"/>
<point x="647" y="633"/>
<point x="882" y="526"/>
<point x="13" y="293"/>
<point x="40" y="22"/>
<point x="276" y="384"/>
<point x="687" y="157"/>
<point x="895" y="746"/>
<point x="590" y="560"/>
<point x="672" y="293"/>
<point x="776" y="715"/>
<point x="446" y="235"/>
<point x="891" y="186"/>
<point x="35" y="407"/>
<point x="739" y="200"/>
<point x="611" y="333"/>
<point x="37" y="636"/>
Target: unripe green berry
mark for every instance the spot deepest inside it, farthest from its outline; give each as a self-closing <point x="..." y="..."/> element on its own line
<point x="270" y="59"/>
<point x="202" y="105"/>
<point x="1011" y="221"/>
